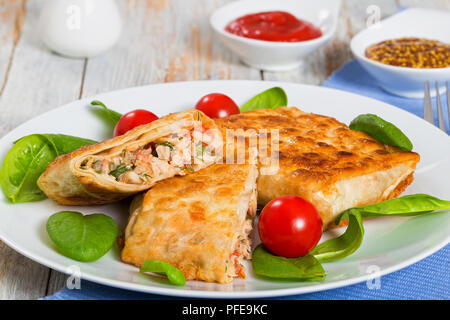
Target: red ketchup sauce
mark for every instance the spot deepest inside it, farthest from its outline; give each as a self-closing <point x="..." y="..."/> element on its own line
<point x="279" y="26"/>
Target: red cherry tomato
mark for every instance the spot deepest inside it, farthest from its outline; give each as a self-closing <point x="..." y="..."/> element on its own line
<point x="290" y="226"/>
<point x="217" y="105"/>
<point x="133" y="119"/>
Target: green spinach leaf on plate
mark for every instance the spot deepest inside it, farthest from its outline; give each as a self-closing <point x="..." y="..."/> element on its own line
<point x="269" y="99"/>
<point x="82" y="238"/>
<point x="306" y="268"/>
<point x="344" y="245"/>
<point x="350" y="241"/>
<point x="28" y="159"/>
<point x="381" y="130"/>
<point x="174" y="275"/>
<point x="409" y="205"/>
<point x="111" y="116"/>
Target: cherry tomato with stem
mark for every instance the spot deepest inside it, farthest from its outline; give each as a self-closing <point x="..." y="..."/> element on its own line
<point x="217" y="105"/>
<point x="133" y="119"/>
<point x="290" y="226"/>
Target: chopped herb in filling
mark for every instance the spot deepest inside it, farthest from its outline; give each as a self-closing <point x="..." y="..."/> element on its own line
<point x="168" y="144"/>
<point x="201" y="149"/>
<point x="165" y="157"/>
<point x="83" y="164"/>
<point x="120" y="170"/>
<point x="188" y="168"/>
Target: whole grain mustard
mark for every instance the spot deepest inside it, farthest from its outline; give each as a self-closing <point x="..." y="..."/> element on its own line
<point x="411" y="53"/>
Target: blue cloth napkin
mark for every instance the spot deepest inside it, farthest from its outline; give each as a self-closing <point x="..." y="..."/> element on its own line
<point x="427" y="279"/>
<point x="353" y="78"/>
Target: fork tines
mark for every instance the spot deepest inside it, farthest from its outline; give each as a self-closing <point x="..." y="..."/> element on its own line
<point x="428" y="109"/>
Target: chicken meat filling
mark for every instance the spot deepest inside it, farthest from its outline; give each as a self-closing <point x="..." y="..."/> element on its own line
<point x="243" y="245"/>
<point x="157" y="160"/>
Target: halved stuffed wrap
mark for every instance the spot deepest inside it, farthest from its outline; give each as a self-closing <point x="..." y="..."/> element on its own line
<point x="114" y="169"/>
<point x="199" y="223"/>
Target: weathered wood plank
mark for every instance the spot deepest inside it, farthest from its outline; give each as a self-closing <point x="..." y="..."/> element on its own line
<point x="20" y="278"/>
<point x="56" y="282"/>
<point x="164" y="41"/>
<point x="37" y="81"/>
<point x="434" y="4"/>
<point x="11" y="19"/>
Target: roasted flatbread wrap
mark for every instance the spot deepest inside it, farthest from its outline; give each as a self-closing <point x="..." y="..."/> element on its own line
<point x="320" y="159"/>
<point x="125" y="165"/>
<point x="198" y="223"/>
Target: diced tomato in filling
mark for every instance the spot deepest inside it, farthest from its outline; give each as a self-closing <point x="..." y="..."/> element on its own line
<point x="201" y="129"/>
<point x="240" y="271"/>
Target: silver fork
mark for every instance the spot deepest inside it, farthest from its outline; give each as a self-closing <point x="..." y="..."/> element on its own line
<point x="428" y="110"/>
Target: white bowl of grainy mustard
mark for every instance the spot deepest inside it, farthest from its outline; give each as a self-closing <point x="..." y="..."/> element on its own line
<point x="405" y="50"/>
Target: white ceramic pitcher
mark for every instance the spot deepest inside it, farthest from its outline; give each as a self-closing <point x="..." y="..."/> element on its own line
<point x="80" y="28"/>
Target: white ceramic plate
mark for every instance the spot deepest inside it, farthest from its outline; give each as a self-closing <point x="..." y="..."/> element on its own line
<point x="389" y="243"/>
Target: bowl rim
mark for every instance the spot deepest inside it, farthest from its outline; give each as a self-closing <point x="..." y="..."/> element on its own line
<point x="362" y="57"/>
<point x="324" y="37"/>
<point x="380" y="65"/>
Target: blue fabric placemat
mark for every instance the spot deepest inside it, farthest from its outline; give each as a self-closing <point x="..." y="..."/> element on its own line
<point x="427" y="279"/>
<point x="353" y="78"/>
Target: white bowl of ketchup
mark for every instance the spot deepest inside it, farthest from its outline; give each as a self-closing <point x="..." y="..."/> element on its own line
<point x="279" y="48"/>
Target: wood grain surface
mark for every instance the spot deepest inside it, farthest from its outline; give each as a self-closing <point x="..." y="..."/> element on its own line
<point x="162" y="41"/>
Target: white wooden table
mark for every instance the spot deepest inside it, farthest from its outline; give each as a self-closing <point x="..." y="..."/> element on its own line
<point x="163" y="40"/>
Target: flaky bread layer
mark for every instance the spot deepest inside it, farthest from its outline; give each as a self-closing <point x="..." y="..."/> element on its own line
<point x="193" y="222"/>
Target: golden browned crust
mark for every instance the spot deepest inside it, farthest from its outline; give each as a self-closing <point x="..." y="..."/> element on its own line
<point x="320" y="157"/>
<point x="65" y="182"/>
<point x="401" y="187"/>
<point x="192" y="222"/>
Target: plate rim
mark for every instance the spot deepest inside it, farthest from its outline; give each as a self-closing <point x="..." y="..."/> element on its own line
<point x="195" y="293"/>
<point x="274" y="83"/>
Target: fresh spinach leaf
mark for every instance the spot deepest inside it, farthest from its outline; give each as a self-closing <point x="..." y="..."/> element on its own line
<point x="120" y="170"/>
<point x="63" y="143"/>
<point x="83" y="238"/>
<point x="381" y="130"/>
<point x="270" y="99"/>
<point x="343" y="245"/>
<point x="350" y="241"/>
<point x="174" y="275"/>
<point x="409" y="205"/>
<point x="306" y="268"/>
<point x="23" y="165"/>
<point x="28" y="159"/>
<point x="112" y="116"/>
